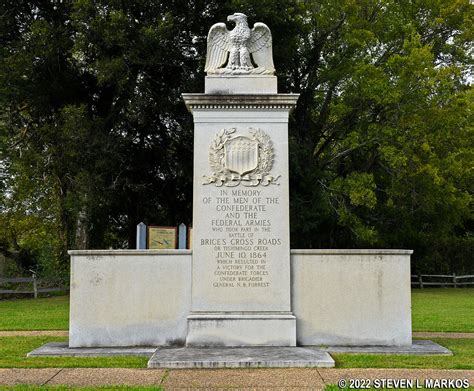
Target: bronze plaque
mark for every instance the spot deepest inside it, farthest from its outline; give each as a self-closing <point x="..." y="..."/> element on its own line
<point x="162" y="237"/>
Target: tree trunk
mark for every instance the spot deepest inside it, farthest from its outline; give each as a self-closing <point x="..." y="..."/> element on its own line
<point x="81" y="241"/>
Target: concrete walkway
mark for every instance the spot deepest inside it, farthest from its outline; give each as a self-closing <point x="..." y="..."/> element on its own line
<point x="35" y="333"/>
<point x="275" y="378"/>
<point x="431" y="334"/>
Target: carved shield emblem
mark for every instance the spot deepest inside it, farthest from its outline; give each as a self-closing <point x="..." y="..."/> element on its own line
<point x="241" y="154"/>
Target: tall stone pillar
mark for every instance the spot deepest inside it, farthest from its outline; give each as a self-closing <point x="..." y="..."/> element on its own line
<point x="241" y="242"/>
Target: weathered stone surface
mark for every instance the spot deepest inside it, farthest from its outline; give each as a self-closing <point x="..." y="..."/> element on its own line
<point x="418" y="347"/>
<point x="217" y="330"/>
<point x="223" y="236"/>
<point x="253" y="104"/>
<point x="129" y="297"/>
<point x="340" y="297"/>
<point x="52" y="349"/>
<point x="253" y="357"/>
<point x="238" y="47"/>
<point x="221" y="357"/>
<point x="352" y="297"/>
<point x="241" y="246"/>
<point x="248" y="84"/>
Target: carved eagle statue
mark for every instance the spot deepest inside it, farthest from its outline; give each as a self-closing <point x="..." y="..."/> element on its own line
<point x="238" y="47"/>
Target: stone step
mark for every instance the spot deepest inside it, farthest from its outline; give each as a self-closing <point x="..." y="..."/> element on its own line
<point x="249" y="357"/>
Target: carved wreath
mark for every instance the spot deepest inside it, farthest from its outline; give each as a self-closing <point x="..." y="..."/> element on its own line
<point x="221" y="175"/>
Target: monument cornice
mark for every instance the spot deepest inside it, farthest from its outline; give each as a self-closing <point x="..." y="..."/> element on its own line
<point x="240" y="102"/>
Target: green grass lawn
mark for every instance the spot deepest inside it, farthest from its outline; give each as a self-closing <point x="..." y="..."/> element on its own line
<point x="35" y="314"/>
<point x="462" y="358"/>
<point x="443" y="310"/>
<point x="13" y="352"/>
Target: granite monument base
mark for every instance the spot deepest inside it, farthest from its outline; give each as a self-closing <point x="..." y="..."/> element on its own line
<point x="264" y="329"/>
<point x="143" y="298"/>
<point x="248" y="357"/>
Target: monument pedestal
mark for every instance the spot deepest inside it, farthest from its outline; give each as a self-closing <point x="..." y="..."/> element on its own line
<point x="234" y="329"/>
<point x="240" y="84"/>
<point x="241" y="239"/>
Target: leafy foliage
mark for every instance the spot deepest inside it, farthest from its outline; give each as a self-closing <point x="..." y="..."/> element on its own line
<point x="95" y="136"/>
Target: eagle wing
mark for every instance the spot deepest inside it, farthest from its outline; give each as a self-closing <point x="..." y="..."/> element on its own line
<point x="218" y="46"/>
<point x="260" y="46"/>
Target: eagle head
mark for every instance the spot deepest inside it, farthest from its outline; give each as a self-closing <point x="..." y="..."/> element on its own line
<point x="237" y="18"/>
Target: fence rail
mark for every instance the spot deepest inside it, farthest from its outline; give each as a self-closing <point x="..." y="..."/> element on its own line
<point x="34" y="281"/>
<point x="422" y="280"/>
<point x="419" y="280"/>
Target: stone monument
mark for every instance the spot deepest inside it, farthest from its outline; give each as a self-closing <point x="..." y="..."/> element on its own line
<point x="240" y="285"/>
<point x="241" y="251"/>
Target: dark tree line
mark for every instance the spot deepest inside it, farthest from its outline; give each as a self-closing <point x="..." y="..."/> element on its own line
<point x="94" y="135"/>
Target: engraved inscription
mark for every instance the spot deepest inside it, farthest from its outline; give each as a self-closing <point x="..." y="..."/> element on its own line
<point x="242" y="242"/>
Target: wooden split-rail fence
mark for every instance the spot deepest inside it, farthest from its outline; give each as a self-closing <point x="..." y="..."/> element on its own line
<point x="37" y="286"/>
<point x="443" y="280"/>
<point x="417" y="280"/>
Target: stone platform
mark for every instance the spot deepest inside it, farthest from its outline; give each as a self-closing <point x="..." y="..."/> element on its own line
<point x="249" y="357"/>
<point x="61" y="349"/>
<point x="418" y="347"/>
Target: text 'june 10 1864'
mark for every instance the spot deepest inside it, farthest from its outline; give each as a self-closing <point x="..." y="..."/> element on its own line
<point x="241" y="237"/>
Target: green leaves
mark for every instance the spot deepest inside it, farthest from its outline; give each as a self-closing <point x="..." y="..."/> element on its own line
<point x="94" y="132"/>
<point x="355" y="192"/>
<point x="358" y="188"/>
<point x="389" y="127"/>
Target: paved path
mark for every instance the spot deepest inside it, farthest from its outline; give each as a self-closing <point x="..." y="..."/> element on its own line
<point x="288" y="378"/>
<point x="65" y="333"/>
<point x="442" y="335"/>
<point x="35" y="333"/>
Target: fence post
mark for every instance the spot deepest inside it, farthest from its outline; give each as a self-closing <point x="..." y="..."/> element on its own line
<point x="35" y="286"/>
<point x="141" y="236"/>
<point x="182" y="237"/>
<point x="455" y="280"/>
<point x="420" y="281"/>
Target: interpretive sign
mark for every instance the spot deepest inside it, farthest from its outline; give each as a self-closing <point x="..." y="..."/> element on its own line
<point x="162" y="237"/>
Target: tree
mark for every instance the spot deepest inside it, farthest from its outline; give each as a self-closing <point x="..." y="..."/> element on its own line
<point x="95" y="137"/>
